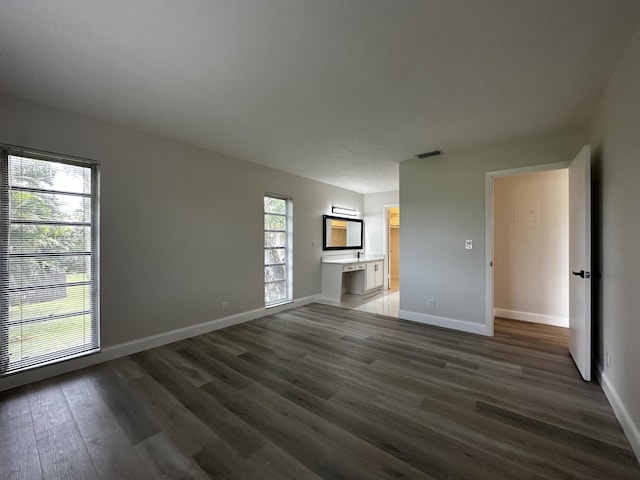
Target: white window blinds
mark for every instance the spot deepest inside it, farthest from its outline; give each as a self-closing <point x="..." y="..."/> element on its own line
<point x="48" y="259"/>
<point x="278" y="286"/>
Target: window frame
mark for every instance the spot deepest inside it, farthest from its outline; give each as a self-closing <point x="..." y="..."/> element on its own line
<point x="93" y="283"/>
<point x="288" y="247"/>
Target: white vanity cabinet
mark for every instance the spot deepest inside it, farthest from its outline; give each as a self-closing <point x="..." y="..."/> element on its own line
<point x="373" y="275"/>
<point x="353" y="276"/>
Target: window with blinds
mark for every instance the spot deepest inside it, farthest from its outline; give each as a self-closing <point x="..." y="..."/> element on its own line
<point x="48" y="259"/>
<point x="278" y="286"/>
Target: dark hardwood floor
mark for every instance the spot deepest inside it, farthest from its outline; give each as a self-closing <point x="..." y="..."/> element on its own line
<point x="321" y="392"/>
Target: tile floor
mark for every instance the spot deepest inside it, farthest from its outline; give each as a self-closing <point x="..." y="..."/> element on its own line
<point x="386" y="302"/>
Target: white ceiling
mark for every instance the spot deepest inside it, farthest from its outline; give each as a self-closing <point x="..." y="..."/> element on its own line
<point x="339" y="91"/>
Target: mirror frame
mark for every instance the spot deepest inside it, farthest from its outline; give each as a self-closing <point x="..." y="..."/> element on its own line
<point x="324" y="232"/>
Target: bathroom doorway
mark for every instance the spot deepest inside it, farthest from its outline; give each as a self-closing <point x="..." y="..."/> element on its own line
<point x="393" y="248"/>
<point x="385" y="301"/>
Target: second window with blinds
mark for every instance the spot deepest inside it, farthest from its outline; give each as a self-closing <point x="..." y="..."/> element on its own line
<point x="278" y="285"/>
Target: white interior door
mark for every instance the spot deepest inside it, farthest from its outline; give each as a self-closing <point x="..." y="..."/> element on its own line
<point x="580" y="261"/>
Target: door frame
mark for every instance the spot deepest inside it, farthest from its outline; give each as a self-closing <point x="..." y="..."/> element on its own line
<point x="489" y="177"/>
<point x="386" y="240"/>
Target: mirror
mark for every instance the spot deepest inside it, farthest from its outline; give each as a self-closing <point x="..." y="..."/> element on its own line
<point x="339" y="233"/>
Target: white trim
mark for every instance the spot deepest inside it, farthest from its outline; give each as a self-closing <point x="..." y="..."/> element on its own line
<point x="288" y="246"/>
<point x="135" y="346"/>
<point x="452" y="323"/>
<point x="488" y="255"/>
<point x="530" y="169"/>
<point x="488" y="201"/>
<point x="386" y="218"/>
<point x="630" y="427"/>
<point x="532" y="317"/>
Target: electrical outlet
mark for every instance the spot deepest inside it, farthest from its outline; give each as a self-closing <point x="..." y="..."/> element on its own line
<point x="225" y="306"/>
<point x="431" y="303"/>
<point x="314" y="243"/>
<point x="468" y="244"/>
<point x="607" y="359"/>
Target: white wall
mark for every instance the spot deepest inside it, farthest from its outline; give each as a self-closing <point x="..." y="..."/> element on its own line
<point x="181" y="227"/>
<point x="616" y="136"/>
<point x="442" y="204"/>
<point x="531" y="247"/>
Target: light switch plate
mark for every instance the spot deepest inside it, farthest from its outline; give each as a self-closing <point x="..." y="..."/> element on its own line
<point x="468" y="244"/>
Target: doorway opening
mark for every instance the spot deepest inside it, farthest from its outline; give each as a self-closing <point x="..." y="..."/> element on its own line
<point x="579" y="252"/>
<point x="386" y="300"/>
<point x="393" y="248"/>
<point x="527" y="246"/>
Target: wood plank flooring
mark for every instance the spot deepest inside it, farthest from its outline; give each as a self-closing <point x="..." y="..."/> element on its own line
<point x="321" y="392"/>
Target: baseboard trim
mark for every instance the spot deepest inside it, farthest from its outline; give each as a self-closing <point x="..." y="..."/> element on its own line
<point x="141" y="344"/>
<point x="630" y="427"/>
<point x="452" y="323"/>
<point x="532" y="317"/>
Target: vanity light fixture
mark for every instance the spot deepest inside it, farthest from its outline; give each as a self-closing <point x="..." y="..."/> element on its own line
<point x="345" y="211"/>
<point x="429" y="154"/>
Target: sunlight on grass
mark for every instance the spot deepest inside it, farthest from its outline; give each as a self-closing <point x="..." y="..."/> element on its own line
<point x="39" y="338"/>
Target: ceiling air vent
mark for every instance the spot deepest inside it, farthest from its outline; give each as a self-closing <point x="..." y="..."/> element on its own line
<point x="429" y="154"/>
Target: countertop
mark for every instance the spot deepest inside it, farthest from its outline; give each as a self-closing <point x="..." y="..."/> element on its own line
<point x="343" y="261"/>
